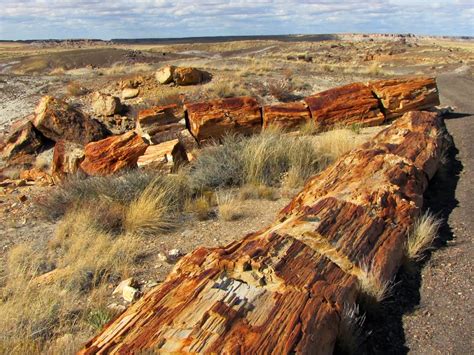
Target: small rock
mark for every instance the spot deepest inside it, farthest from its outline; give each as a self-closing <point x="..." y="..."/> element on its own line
<point x="162" y="257"/>
<point x="130" y="294"/>
<point x="22" y="198"/>
<point x="117" y="307"/>
<point x="128" y="282"/>
<point x="129" y="93"/>
<point x="174" y="255"/>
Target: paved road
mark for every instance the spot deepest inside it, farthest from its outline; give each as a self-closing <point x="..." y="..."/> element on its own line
<point x="443" y="322"/>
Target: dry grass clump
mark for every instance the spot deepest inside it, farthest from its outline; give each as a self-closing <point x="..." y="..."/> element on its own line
<point x="422" y="236"/>
<point x="373" y="289"/>
<point x="201" y="206"/>
<point x="225" y="89"/>
<point x="280" y="89"/>
<point x="333" y="144"/>
<point x="228" y="208"/>
<point x="349" y="336"/>
<point x="257" y="192"/>
<point x="150" y="213"/>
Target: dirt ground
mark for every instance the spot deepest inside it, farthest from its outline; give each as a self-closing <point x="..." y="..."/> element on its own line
<point x="431" y="310"/>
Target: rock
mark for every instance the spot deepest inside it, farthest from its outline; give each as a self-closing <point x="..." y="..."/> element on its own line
<point x="187" y="76"/>
<point x="113" y="154"/>
<point x="166" y="156"/>
<point x="67" y="158"/>
<point x="213" y="119"/>
<point x="36" y="175"/>
<point x="44" y="160"/>
<point x="116" y="308"/>
<point x="287" y="116"/>
<point x="174" y="255"/>
<point x="57" y="120"/>
<point x="130" y="294"/>
<point x="297" y="276"/>
<point x="165" y="75"/>
<point x="106" y="105"/>
<point x="403" y="95"/>
<point x="160" y="123"/>
<point x="129" y="93"/>
<point x="345" y="105"/>
<point x="128" y="282"/>
<point x="132" y="83"/>
<point x="24" y="140"/>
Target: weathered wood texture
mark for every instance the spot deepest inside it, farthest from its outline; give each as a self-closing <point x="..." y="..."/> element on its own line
<point x="290" y="115"/>
<point x="345" y="105"/>
<point x="282" y="289"/>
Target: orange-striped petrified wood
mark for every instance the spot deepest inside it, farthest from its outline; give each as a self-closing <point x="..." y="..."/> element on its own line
<point x="289" y="115"/>
<point x="283" y="289"/>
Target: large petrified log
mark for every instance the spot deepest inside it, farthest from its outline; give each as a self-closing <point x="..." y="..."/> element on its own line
<point x="288" y="116"/>
<point x="345" y="105"/>
<point x="215" y="118"/>
<point x="113" y="154"/>
<point x="284" y="289"/>
<point x="402" y="95"/>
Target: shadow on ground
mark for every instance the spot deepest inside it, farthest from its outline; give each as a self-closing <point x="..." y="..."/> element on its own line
<point x="383" y="329"/>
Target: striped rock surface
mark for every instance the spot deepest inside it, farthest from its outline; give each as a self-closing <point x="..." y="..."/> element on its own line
<point x="283" y="289"/>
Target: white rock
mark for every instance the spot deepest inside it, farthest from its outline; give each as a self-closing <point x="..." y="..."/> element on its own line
<point x="130" y="294"/>
<point x="123" y="284"/>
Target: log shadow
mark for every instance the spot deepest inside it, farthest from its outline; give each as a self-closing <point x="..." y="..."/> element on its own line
<point x="383" y="330"/>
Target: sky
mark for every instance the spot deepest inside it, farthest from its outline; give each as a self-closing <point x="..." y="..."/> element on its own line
<point x="106" y="19"/>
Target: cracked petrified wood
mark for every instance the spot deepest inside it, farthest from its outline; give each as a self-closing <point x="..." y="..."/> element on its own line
<point x="283" y="289"/>
<point x="345" y="105"/>
<point x="213" y="119"/>
<point x="288" y="115"/>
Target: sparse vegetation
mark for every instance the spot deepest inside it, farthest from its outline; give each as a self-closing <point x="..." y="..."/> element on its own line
<point x="75" y="89"/>
<point x="422" y="236"/>
<point x="373" y="289"/>
<point x="349" y="337"/>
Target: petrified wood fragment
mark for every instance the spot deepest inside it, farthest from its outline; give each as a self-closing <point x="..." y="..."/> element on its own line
<point x="402" y="95"/>
<point x="112" y="154"/>
<point x="282" y="290"/>
<point x="161" y="123"/>
<point x="288" y="116"/>
<point x="213" y="119"/>
<point x="345" y="105"/>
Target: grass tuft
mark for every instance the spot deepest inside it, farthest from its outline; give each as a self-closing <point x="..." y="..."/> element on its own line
<point x="422" y="236"/>
<point x="229" y="209"/>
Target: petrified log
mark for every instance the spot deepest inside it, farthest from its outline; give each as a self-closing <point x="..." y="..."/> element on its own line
<point x="67" y="158"/>
<point x="345" y="105"/>
<point x="161" y="123"/>
<point x="166" y="156"/>
<point x="402" y="95"/>
<point x="288" y="116"/>
<point x="112" y="154"/>
<point x="213" y="119"/>
<point x="57" y="120"/>
<point x="23" y="140"/>
<point x="283" y="289"/>
<point x="187" y="76"/>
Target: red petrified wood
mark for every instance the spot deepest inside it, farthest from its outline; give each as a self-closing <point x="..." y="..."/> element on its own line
<point x="283" y="289"/>
<point x="288" y="116"/>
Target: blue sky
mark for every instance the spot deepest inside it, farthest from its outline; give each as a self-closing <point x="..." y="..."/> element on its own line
<point x="28" y="19"/>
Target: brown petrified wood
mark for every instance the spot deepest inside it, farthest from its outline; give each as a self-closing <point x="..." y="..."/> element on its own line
<point x="288" y="115"/>
<point x="112" y="154"/>
<point x="283" y="289"/>
<point x="160" y="123"/>
<point x="402" y="95"/>
<point x="345" y="105"/>
<point x="213" y="119"/>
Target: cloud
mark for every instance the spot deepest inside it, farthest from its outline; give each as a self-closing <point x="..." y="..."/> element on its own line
<point x="23" y="19"/>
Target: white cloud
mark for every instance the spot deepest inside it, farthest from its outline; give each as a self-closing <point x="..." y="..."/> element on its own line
<point x="180" y="18"/>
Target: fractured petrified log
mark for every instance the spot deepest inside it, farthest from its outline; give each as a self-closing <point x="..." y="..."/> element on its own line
<point x="57" y="120"/>
<point x="23" y="140"/>
<point x="213" y="119"/>
<point x="161" y="123"/>
<point x="67" y="158"/>
<point x="283" y="289"/>
<point x="112" y="154"/>
<point x="402" y="95"/>
<point x="288" y="116"/>
<point x="165" y="156"/>
<point x="345" y="105"/>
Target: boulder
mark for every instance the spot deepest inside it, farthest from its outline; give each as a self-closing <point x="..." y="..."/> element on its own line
<point x="165" y="75"/>
<point x="187" y="76"/>
<point x="160" y="124"/>
<point x="106" y="105"/>
<point x="24" y="140"/>
<point x="188" y="142"/>
<point x="287" y="116"/>
<point x="345" y="105"/>
<point x="112" y="154"/>
<point x="164" y="156"/>
<point x="67" y="158"/>
<point x="57" y="120"/>
<point x="129" y="93"/>
<point x="402" y="95"/>
<point x="213" y="119"/>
